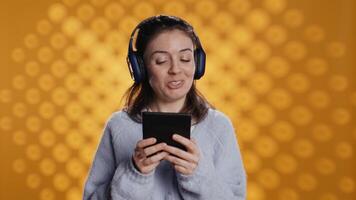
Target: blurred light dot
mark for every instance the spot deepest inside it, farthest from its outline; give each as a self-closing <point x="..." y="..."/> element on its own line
<point x="341" y="116"/>
<point x="325" y="166"/>
<point x="336" y="49"/>
<point x="33" y="96"/>
<point x="263" y="114"/>
<point x="47" y="166"/>
<point x="33" y="181"/>
<point x="31" y="41"/>
<point x="59" y="68"/>
<point x="314" y="33"/>
<point x="72" y="55"/>
<point x="279" y="98"/>
<point x="47" y="138"/>
<point x="98" y="2"/>
<point x="47" y="110"/>
<point x="175" y="7"/>
<point x="258" y="51"/>
<point x="276" y="34"/>
<point x="275" y="6"/>
<point x="344" y="150"/>
<point x="248" y="130"/>
<point x="33" y="124"/>
<point x="278" y="67"/>
<point x="285" y="163"/>
<point x="18" y="55"/>
<point x="268" y="178"/>
<point x="205" y="9"/>
<point x="47" y="194"/>
<point x="86" y="154"/>
<point x="239" y="7"/>
<point x="322" y="132"/>
<point x="100" y="25"/>
<point x="319" y="99"/>
<point x="60" y="124"/>
<point x="19" y="82"/>
<point x="33" y="152"/>
<point x="347" y="185"/>
<point x="58" y="41"/>
<point x="223" y="21"/>
<point x="288" y="193"/>
<point x="44" y="27"/>
<point x="74" y="194"/>
<point x="19" y="109"/>
<point x="75" y="140"/>
<point x="244" y="68"/>
<point x="293" y="18"/>
<point x="127" y="24"/>
<point x="19" y="137"/>
<point x="87" y="97"/>
<point x="295" y="50"/>
<point x="265" y="146"/>
<point x="70" y="3"/>
<point x="45" y="55"/>
<point x="245" y="99"/>
<point x="301" y="115"/>
<point x="317" y="66"/>
<point x="57" y="12"/>
<point x="255" y="191"/>
<point x="252" y="162"/>
<point x="85" y="12"/>
<point x="260" y="83"/>
<point x="71" y="26"/>
<point x="19" y="165"/>
<point x="283" y="131"/>
<point x="75" y="168"/>
<point x="114" y="11"/>
<point x="61" y="182"/>
<point x="32" y="68"/>
<point x="303" y="148"/>
<point x="61" y="153"/>
<point x="73" y="82"/>
<point x="338" y="83"/>
<point x="307" y="182"/>
<point x="257" y="19"/>
<point x="86" y="39"/>
<point x="142" y="9"/>
<point x="60" y="96"/>
<point x="241" y="36"/>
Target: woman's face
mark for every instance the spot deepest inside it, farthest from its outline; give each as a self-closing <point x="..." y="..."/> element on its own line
<point x="169" y="59"/>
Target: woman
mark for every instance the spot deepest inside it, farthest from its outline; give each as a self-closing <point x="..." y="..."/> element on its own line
<point x="167" y="58"/>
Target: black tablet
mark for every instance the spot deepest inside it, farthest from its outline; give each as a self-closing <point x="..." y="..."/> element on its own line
<point x="162" y="126"/>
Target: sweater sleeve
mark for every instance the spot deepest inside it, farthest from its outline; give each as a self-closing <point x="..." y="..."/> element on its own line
<point x="111" y="180"/>
<point x="225" y="179"/>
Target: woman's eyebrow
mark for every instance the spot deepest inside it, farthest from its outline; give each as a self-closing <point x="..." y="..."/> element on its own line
<point x="159" y="51"/>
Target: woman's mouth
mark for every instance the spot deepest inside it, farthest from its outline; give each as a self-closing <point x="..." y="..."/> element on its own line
<point x="175" y="84"/>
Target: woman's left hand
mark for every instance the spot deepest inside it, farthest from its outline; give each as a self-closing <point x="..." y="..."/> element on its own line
<point x="184" y="162"/>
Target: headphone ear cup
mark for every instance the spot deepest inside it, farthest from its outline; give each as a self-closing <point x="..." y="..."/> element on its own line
<point x="135" y="67"/>
<point x="199" y="56"/>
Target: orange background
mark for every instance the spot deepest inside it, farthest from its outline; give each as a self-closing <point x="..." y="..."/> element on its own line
<point x="282" y="70"/>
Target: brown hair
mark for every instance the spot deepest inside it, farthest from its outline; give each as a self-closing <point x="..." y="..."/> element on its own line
<point x="141" y="94"/>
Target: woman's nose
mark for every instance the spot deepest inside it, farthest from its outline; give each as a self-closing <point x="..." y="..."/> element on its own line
<point x="174" y="68"/>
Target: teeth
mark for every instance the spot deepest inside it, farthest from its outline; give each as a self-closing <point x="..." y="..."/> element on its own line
<point x="175" y="82"/>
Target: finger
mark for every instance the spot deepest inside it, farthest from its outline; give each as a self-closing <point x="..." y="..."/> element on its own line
<point x="180" y="162"/>
<point x="146" y="142"/>
<point x="153" y="149"/>
<point x="191" y="147"/>
<point x="181" y="169"/>
<point x="181" y="154"/>
<point x="154" y="159"/>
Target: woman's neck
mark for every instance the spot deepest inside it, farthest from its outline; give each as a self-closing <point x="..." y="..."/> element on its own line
<point x="164" y="106"/>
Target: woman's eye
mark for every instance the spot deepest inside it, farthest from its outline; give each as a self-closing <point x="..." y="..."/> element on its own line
<point x="185" y="60"/>
<point x="159" y="62"/>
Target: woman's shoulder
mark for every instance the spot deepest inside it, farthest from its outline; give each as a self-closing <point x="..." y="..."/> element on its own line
<point x="119" y="117"/>
<point x="218" y="117"/>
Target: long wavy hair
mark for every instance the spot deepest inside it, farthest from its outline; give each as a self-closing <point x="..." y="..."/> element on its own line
<point x="140" y="95"/>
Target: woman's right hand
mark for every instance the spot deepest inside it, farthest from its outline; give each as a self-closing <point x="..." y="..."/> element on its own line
<point x="142" y="158"/>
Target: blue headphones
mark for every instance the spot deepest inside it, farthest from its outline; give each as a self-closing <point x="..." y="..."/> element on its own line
<point x="135" y="62"/>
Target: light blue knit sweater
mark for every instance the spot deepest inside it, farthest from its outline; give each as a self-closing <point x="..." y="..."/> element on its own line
<point x="220" y="173"/>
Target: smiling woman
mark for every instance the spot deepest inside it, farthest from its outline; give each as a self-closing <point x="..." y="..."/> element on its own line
<point x="167" y="58"/>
